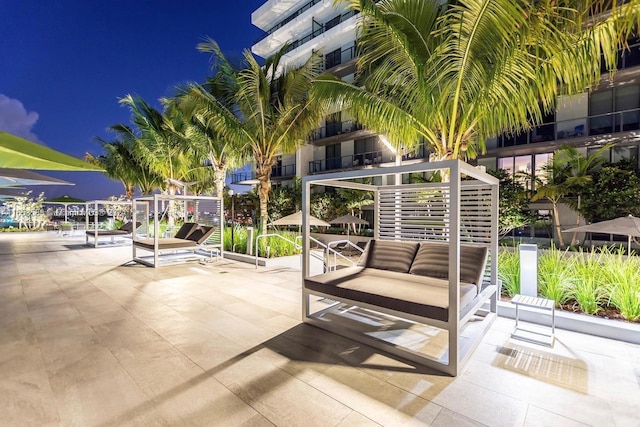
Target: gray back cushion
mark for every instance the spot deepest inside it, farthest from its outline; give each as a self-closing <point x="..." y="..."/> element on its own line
<point x="185" y="230"/>
<point x="432" y="260"/>
<point x="200" y="234"/>
<point x="390" y="255"/>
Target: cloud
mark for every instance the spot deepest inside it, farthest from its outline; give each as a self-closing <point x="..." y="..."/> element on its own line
<point x="15" y="119"/>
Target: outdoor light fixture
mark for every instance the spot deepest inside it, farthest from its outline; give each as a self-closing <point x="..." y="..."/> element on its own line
<point x="233" y="219"/>
<point x="529" y="270"/>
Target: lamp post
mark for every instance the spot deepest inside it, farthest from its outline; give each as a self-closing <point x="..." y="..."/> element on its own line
<point x="233" y="219"/>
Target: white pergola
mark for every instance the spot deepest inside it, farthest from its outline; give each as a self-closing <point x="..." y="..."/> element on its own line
<point x="204" y="210"/>
<point x="462" y="210"/>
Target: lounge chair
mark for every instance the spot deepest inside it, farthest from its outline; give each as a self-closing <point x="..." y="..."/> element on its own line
<point x="190" y="237"/>
<point x="124" y="230"/>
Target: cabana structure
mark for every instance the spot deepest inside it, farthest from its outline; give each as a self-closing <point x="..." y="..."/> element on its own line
<point x="426" y="287"/>
<point x="200" y="235"/>
<point x="96" y="208"/>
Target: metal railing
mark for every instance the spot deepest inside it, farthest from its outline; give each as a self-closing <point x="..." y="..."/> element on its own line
<point x="284" y="170"/>
<point x="599" y="124"/>
<point x="295" y="244"/>
<point x="362" y="159"/>
<point x="344" y="243"/>
<point x="288" y="19"/>
<point x="335" y="128"/>
<point x="315" y="33"/>
<point x="276" y="172"/>
<point x="339" y="57"/>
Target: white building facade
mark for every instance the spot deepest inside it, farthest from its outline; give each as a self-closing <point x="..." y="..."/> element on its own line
<point x="610" y="113"/>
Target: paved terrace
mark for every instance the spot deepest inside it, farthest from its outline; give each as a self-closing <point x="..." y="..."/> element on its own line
<point x="87" y="339"/>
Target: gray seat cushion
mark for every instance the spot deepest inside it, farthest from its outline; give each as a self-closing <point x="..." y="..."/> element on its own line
<point x="391" y="255"/>
<point x="413" y="294"/>
<point x="118" y="232"/>
<point x="166" y="243"/>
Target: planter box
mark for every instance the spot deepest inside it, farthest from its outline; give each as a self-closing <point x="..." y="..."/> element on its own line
<point x="583" y="323"/>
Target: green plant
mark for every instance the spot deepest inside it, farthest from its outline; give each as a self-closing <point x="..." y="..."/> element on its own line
<point x="587" y="270"/>
<point x="554" y="275"/>
<point x="240" y="237"/>
<point x="272" y="247"/>
<point x="622" y="282"/>
<point x="509" y="271"/>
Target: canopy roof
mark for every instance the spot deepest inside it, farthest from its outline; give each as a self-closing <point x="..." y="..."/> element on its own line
<point x="349" y="219"/>
<point x="624" y="226"/>
<point x="18" y="153"/>
<point x="19" y="177"/>
<point x="296" y="219"/>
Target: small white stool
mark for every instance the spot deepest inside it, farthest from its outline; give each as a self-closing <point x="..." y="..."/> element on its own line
<point x="532" y="335"/>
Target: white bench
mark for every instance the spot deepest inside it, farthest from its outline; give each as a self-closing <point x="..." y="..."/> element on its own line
<point x="528" y="334"/>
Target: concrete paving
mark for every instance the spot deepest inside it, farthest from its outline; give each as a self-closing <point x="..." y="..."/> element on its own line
<point x="89" y="339"/>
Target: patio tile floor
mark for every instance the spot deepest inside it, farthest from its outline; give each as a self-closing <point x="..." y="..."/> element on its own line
<point x="86" y="338"/>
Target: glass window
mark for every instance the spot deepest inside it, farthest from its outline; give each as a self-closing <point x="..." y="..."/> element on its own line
<point x="623" y="153"/>
<point x="522" y="168"/>
<point x="606" y="154"/>
<point x="600" y="104"/>
<point x="487" y="162"/>
<point x="506" y="163"/>
<point x="628" y="101"/>
<point x="541" y="160"/>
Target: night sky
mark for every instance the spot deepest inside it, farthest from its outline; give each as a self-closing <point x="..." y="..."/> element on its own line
<point x="65" y="63"/>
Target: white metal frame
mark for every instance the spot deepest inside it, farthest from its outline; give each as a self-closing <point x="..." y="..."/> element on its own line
<point x="213" y="244"/>
<point x="458" y="211"/>
<point x="96" y="203"/>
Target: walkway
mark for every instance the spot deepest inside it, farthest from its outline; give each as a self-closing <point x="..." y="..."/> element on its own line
<point x="87" y="339"/>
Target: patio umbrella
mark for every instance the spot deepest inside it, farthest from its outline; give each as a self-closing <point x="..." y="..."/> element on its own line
<point x="349" y="219"/>
<point x="623" y="226"/>
<point x="65" y="200"/>
<point x="19" y="178"/>
<point x="18" y="153"/>
<point x="296" y="219"/>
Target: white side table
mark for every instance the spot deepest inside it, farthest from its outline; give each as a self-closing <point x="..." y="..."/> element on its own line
<point x="529" y="334"/>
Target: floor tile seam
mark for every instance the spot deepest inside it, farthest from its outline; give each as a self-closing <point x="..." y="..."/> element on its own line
<point x="415" y="397"/>
<point x="556" y="413"/>
<point x="359" y="413"/>
<point x="364" y="371"/>
<point x="526" y="402"/>
<point x="488" y="389"/>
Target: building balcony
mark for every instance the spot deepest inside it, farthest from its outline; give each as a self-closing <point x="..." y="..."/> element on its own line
<point x="359" y="160"/>
<point x="335" y="128"/>
<point x="582" y="129"/>
<point x="277" y="173"/>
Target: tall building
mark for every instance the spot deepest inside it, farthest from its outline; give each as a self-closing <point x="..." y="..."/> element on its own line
<point x="609" y="113"/>
<point x="310" y="26"/>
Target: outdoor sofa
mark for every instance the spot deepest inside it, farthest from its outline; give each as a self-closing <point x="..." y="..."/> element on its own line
<point x="190" y="237"/>
<point x="409" y="280"/>
<point x="126" y="229"/>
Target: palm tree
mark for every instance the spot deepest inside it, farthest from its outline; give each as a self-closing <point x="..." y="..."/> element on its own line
<point x="163" y="147"/>
<point x="553" y="188"/>
<point x="578" y="174"/>
<point x="121" y="162"/>
<point x="206" y="141"/>
<point x="457" y="73"/>
<point x="271" y="111"/>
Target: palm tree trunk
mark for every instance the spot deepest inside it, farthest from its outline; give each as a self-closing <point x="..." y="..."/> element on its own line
<point x="556" y="224"/>
<point x="578" y="216"/>
<point x="219" y="176"/>
<point x="128" y="191"/>
<point x="264" y="187"/>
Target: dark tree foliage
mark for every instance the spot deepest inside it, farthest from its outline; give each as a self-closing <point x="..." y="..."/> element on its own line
<point x="615" y="192"/>
<point x="514" y="203"/>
